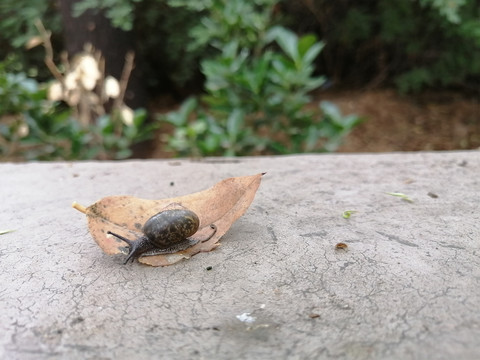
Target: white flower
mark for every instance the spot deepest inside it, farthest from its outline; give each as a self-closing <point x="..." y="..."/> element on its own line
<point x="88" y="82"/>
<point x="89" y="71"/>
<point x="112" y="87"/>
<point x="73" y="97"/>
<point x="71" y="80"/>
<point x="89" y="66"/>
<point x="127" y="115"/>
<point x="23" y="130"/>
<point x="55" y="92"/>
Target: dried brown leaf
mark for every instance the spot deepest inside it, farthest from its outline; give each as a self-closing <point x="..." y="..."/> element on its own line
<point x="220" y="205"/>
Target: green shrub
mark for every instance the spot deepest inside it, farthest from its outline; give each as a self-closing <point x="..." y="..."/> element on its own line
<point x="256" y="89"/>
<point x="120" y="12"/>
<point x="34" y="128"/>
<point x="413" y="44"/>
<point x="448" y="51"/>
<point x="30" y="128"/>
<point x="17" y="20"/>
<point x="17" y="27"/>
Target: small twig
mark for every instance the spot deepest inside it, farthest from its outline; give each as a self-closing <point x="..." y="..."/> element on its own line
<point x="47" y="44"/>
<point x="79" y="207"/>
<point x="127" y="70"/>
<point x="64" y="61"/>
<point x="118" y="102"/>
<point x="103" y="95"/>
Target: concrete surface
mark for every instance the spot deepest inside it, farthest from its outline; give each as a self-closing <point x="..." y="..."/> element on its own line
<point x="408" y="287"/>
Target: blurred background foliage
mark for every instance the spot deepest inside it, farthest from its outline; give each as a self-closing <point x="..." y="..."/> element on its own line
<point x="244" y="70"/>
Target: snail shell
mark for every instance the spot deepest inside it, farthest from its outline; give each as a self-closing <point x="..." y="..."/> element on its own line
<point x="170" y="227"/>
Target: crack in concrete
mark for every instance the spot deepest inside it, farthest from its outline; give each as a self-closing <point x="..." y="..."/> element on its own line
<point x="397" y="239"/>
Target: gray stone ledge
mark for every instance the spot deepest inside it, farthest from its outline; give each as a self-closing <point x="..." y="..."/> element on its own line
<point x="408" y="287"/>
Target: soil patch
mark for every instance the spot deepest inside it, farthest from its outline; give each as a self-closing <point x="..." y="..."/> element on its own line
<point x="438" y="121"/>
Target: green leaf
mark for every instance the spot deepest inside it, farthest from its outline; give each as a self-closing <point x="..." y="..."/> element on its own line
<point x="401" y="196"/>
<point x="2" y="232"/>
<point x="196" y="128"/>
<point x="347" y="213"/>
<point x="305" y="43"/>
<point x="310" y="55"/>
<point x="311" y="139"/>
<point x="235" y="123"/>
<point x="180" y="117"/>
<point x="331" y="110"/>
<point x="287" y="40"/>
<point x="314" y="83"/>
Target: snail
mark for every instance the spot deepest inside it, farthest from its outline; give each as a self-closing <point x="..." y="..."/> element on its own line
<point x="166" y="232"/>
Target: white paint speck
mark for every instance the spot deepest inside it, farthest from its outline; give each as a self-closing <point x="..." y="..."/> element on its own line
<point x="246" y="317"/>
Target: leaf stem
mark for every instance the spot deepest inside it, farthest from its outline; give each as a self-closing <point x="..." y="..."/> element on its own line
<point x="79" y="207"/>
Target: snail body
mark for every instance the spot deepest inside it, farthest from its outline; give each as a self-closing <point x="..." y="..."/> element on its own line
<point x="166" y="232"/>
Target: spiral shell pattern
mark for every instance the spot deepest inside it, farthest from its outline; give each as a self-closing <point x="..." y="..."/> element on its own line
<point x="170" y="227"/>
